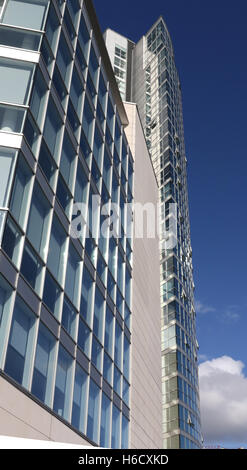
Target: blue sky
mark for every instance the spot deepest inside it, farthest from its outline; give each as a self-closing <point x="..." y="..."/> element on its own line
<point x="210" y="44"/>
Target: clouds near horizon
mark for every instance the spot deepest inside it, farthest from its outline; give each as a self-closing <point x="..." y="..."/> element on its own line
<point x="223" y="396"/>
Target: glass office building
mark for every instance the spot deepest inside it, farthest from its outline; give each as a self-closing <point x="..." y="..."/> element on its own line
<point x="151" y="80"/>
<point x="65" y="301"/>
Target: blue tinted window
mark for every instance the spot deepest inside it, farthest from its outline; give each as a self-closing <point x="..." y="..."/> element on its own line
<point x="76" y="92"/>
<point x="52" y="28"/>
<point x="64" y="59"/>
<point x="110" y="116"/>
<point x="84" y="337"/>
<point x="72" y="274"/>
<point x="126" y="388"/>
<point x="102" y="92"/>
<point x="53" y="125"/>
<point x="109" y="331"/>
<point x="93" y="65"/>
<point x="38" y="220"/>
<point x="63" y="195"/>
<point x="81" y="185"/>
<point x="69" y="318"/>
<point x="86" y="296"/>
<point x="115" y="440"/>
<point x="47" y="163"/>
<point x="51" y="294"/>
<point x="67" y="160"/>
<point x="83" y="36"/>
<point x="59" y="85"/>
<point x="96" y="354"/>
<point x="107" y="368"/>
<point x="31" y="267"/>
<point x="98" y="147"/>
<point x="125" y="433"/>
<point x="11" y="241"/>
<point x="118" y="346"/>
<point x="44" y="365"/>
<point x="98" y="315"/>
<point x="105" y="421"/>
<point x="20" y="191"/>
<point x="56" y="249"/>
<point x="79" y="399"/>
<point x="19" y="353"/>
<point x="93" y="412"/>
<point x="87" y="122"/>
<point x="63" y="383"/>
<point x="126" y="357"/>
<point x="117" y="381"/>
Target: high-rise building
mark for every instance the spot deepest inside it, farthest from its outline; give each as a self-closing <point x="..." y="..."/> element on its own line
<point x="77" y="361"/>
<point x="147" y="75"/>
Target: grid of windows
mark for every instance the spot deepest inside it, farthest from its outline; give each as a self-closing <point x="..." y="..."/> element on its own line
<point x="165" y="138"/>
<point x="74" y="133"/>
<point x="120" y="69"/>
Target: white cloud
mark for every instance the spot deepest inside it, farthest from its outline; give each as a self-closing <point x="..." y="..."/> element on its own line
<point x="202" y="308"/>
<point x="223" y="395"/>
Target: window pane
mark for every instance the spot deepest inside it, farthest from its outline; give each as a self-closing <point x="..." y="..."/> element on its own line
<point x="67" y="160"/>
<point x="72" y="275"/>
<point x="126" y="358"/>
<point x="126" y="388"/>
<point x="11" y="241"/>
<point x="63" y="195"/>
<point x="52" y="295"/>
<point x="93" y="412"/>
<point x="118" y="346"/>
<point x="47" y="163"/>
<point x="20" y="191"/>
<point x="11" y="118"/>
<point x="5" y="299"/>
<point x="84" y="337"/>
<point x="93" y="66"/>
<point x="19" y="38"/>
<point x="80" y="399"/>
<point x="69" y="318"/>
<point x="107" y="370"/>
<point x="81" y="185"/>
<point x="83" y="37"/>
<point x="38" y="221"/>
<point x="117" y="381"/>
<point x="53" y="125"/>
<point x="87" y="123"/>
<point x="28" y="14"/>
<point x="7" y="158"/>
<point x="109" y="331"/>
<point x="86" y="297"/>
<point x="44" y="365"/>
<point x="19" y="350"/>
<point x="76" y="92"/>
<point x="98" y="315"/>
<point x="105" y="421"/>
<point x="12" y="72"/>
<point x="38" y="98"/>
<point x="31" y="267"/>
<point x="55" y="261"/>
<point x="115" y="440"/>
<point x="125" y="433"/>
<point x="63" y="383"/>
<point x="64" y="59"/>
<point x="97" y="354"/>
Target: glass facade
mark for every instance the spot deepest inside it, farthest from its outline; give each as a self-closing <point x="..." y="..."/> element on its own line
<point x="163" y="123"/>
<point x="155" y="87"/>
<point x="67" y="342"/>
